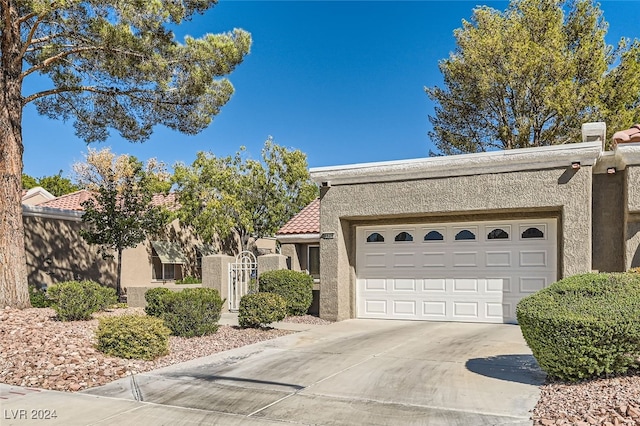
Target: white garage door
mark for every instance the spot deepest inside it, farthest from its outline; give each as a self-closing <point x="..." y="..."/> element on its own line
<point x="472" y="271"/>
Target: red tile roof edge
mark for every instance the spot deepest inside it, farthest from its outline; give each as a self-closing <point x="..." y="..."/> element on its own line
<point x="307" y="221"/>
<point x="631" y="135"/>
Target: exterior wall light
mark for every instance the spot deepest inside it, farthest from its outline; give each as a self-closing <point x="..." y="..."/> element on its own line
<point x="611" y="170"/>
<point x="575" y="165"/>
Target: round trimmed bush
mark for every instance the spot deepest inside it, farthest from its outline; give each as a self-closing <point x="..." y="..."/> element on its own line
<point x="295" y="287"/>
<point x="133" y="337"/>
<point x="192" y="311"/>
<point x="77" y="300"/>
<point x="260" y="309"/>
<point x="154" y="297"/>
<point x="584" y="326"/>
<point x="38" y="297"/>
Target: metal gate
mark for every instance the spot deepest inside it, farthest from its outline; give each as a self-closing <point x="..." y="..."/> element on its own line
<point x="243" y="278"/>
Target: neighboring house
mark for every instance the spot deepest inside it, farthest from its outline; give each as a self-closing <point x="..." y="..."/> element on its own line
<point x="36" y="195"/>
<point x="300" y="242"/>
<point x="56" y="251"/>
<point x="464" y="238"/>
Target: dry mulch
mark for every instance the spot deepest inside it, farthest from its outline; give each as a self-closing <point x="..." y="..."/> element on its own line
<point x="36" y="350"/>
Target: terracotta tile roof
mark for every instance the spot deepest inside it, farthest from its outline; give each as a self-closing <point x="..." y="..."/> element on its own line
<point x="69" y="201"/>
<point x="305" y="222"/>
<point x="74" y="200"/>
<point x="627" y="136"/>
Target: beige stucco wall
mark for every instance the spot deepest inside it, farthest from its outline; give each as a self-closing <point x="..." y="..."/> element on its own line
<point x="632" y="231"/>
<point x="56" y="252"/>
<point x="561" y="192"/>
<point x="137" y="267"/>
<point x="632" y="247"/>
<point x="291" y="252"/>
<point x="633" y="188"/>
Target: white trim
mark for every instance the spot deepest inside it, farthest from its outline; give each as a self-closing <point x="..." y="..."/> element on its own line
<point x="298" y="238"/>
<point x="627" y="154"/>
<point x="557" y="156"/>
<point x="37" y="190"/>
<point x="51" y="213"/>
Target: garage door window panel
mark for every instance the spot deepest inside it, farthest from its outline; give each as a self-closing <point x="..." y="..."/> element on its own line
<point x="433" y="236"/>
<point x="466" y="235"/>
<point x="501" y="233"/>
<point x="403" y="237"/>
<point x="375" y="237"/>
<point x="534" y="232"/>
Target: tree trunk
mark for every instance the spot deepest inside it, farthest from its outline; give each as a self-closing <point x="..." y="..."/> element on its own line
<point x="119" y="274"/>
<point x="13" y="269"/>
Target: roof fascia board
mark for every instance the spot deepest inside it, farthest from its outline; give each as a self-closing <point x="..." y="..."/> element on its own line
<point x="557" y="156"/>
<point x="51" y="213"/>
<point x="298" y="238"/>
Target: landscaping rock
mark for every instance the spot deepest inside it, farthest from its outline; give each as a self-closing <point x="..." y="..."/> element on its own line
<point x="38" y="351"/>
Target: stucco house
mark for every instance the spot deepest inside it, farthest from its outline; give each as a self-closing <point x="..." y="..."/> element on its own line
<point x="464" y="238"/>
<point x="56" y="251"/>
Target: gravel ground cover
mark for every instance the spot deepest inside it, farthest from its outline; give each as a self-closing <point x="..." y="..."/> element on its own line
<point x="610" y="401"/>
<point x="38" y="351"/>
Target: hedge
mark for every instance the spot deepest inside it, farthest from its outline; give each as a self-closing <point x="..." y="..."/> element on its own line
<point x="133" y="337"/>
<point x="584" y="326"/>
<point x="192" y="311"/>
<point x="295" y="287"/>
<point x="77" y="300"/>
<point x="259" y="309"/>
<point x="154" y="298"/>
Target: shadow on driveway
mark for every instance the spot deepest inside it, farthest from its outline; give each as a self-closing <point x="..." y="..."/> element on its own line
<point x="513" y="368"/>
<point x="216" y="378"/>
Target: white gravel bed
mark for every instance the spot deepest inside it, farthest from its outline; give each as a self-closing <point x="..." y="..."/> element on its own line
<point x="38" y="351"/>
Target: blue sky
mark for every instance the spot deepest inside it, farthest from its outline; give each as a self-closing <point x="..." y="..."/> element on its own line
<point x="341" y="81"/>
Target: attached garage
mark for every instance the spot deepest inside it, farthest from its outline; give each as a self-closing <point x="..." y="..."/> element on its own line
<point x="464" y="237"/>
<point x="460" y="271"/>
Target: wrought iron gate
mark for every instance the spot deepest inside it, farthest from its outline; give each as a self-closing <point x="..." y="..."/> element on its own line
<point x="243" y="278"/>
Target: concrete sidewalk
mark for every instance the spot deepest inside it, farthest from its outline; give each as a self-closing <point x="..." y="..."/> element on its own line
<point x="355" y="372"/>
<point x="231" y="318"/>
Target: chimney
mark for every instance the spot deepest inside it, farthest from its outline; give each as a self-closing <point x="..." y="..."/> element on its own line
<point x="595" y="132"/>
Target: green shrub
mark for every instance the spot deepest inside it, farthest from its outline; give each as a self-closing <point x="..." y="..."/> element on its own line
<point x="261" y="309"/>
<point x="295" y="287"/>
<point x="133" y="337"/>
<point x="192" y="311"/>
<point x="77" y="300"/>
<point x="38" y="298"/>
<point x="584" y="326"/>
<point x="189" y="280"/>
<point x="154" y="297"/>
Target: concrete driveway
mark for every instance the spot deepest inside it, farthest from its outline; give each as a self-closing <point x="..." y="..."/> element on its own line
<point x="368" y="372"/>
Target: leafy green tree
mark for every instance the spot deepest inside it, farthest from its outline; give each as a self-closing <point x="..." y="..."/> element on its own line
<point x="110" y="66"/>
<point x="56" y="184"/>
<point x="121" y="214"/>
<point x="28" y="182"/>
<point x="237" y="196"/>
<point x="531" y="75"/>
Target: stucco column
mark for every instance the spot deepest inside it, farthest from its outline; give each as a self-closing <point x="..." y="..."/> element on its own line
<point x="271" y="262"/>
<point x="289" y="250"/>
<point x="215" y="274"/>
